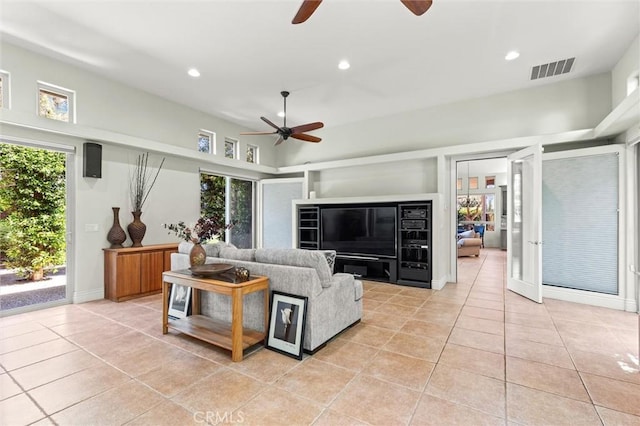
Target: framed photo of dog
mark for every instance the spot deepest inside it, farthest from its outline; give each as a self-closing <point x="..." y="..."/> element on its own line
<point x="287" y="319"/>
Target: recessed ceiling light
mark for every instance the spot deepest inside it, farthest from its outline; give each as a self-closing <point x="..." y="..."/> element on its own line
<point x="193" y="72"/>
<point x="512" y="55"/>
<point x="281" y="114"/>
<point x="344" y="65"/>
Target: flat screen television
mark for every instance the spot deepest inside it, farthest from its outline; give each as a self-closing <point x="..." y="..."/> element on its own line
<point x="364" y="231"/>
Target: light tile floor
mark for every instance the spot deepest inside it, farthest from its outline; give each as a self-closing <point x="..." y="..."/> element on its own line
<point x="469" y="354"/>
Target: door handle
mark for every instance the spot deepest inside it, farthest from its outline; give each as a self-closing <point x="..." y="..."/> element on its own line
<point x="535" y="243"/>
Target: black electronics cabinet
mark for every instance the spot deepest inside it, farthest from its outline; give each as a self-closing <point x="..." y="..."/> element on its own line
<point x="372" y="269"/>
<point x="414" y="244"/>
<point x="411" y="263"/>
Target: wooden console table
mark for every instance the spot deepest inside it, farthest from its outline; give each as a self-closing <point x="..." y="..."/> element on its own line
<point x="229" y="336"/>
<point x="135" y="271"/>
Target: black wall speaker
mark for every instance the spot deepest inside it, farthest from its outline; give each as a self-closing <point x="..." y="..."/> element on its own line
<point x="92" y="160"/>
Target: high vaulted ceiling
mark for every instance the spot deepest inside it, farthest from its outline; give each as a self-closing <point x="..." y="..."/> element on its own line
<point x="248" y="51"/>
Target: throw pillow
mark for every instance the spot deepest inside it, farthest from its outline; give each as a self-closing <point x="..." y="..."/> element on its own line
<point x="213" y="249"/>
<point x="185" y="247"/>
<point x="330" y="255"/>
<point x="467" y="234"/>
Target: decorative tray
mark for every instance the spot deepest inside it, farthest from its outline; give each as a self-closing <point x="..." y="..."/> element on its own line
<point x="210" y="269"/>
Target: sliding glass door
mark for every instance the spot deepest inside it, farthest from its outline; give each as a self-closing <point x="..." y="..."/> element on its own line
<point x="233" y="199"/>
<point x="34" y="228"/>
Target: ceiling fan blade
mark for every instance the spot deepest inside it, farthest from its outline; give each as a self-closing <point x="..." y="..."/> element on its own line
<point x="418" y="7"/>
<point x="279" y="141"/>
<point x="306" y="10"/>
<point x="266" y="120"/>
<point x="306" y="138"/>
<point x="258" y="133"/>
<point x="307" y="127"/>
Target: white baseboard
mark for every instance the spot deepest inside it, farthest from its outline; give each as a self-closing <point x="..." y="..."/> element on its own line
<point x="630" y="305"/>
<point x="588" y="298"/>
<point x="88" y="296"/>
<point x="438" y="284"/>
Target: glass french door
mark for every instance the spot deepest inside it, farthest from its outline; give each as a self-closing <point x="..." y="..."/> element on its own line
<point x="524" y="219"/>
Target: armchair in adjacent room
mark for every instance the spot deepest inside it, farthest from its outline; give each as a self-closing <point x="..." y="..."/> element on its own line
<point x="469" y="243"/>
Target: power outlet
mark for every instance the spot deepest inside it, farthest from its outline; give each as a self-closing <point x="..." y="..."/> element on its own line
<point x="91" y="227"/>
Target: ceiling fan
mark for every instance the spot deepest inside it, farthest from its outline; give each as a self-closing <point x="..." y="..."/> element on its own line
<point x="285" y="132"/>
<point x="417" y="7"/>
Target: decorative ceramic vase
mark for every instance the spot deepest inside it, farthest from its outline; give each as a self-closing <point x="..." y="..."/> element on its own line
<point x="116" y="235"/>
<point x="197" y="255"/>
<point x="137" y="229"/>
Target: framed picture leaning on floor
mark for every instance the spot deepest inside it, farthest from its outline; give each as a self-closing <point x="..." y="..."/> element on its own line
<point x="179" y="301"/>
<point x="287" y="318"/>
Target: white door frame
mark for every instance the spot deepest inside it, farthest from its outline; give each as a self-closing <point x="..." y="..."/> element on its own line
<point x="453" y="201"/>
<point x="70" y="152"/>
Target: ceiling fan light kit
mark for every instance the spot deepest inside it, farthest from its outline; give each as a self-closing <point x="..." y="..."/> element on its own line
<point x="417" y="7"/>
<point x="284" y="132"/>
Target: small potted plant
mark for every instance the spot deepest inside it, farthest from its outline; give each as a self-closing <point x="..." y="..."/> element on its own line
<point x="206" y="229"/>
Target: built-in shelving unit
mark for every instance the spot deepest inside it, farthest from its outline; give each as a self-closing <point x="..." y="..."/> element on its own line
<point x="309" y="228"/>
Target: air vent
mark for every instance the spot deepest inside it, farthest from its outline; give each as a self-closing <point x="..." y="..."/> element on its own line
<point x="551" y="69"/>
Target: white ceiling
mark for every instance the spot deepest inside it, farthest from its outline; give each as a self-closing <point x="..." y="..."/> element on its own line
<point x="248" y="51"/>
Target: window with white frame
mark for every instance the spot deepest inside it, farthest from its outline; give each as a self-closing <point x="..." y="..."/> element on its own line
<point x="473" y="183"/>
<point x="477" y="209"/>
<point x="489" y="182"/>
<point x="252" y="154"/>
<point x="5" y="87"/>
<point x="230" y="148"/>
<point x="56" y="103"/>
<point x="207" y="141"/>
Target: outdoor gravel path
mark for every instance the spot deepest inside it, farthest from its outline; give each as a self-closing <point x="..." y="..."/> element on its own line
<point x="26" y="298"/>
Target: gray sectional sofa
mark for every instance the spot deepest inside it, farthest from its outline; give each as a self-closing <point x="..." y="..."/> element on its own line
<point x="334" y="300"/>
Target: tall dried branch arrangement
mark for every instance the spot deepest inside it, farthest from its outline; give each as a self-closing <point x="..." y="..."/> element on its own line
<point x="141" y="181"/>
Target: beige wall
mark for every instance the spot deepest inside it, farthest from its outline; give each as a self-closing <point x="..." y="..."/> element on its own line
<point x="109" y="105"/>
<point x="626" y="67"/>
<point x="569" y="105"/>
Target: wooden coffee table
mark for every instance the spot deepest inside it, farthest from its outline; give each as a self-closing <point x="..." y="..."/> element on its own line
<point x="231" y="336"/>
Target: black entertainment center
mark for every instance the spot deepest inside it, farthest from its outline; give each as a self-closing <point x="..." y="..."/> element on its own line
<point x="388" y="242"/>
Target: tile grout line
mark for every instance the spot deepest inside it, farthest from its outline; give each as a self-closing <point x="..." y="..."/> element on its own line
<point x="564" y="345"/>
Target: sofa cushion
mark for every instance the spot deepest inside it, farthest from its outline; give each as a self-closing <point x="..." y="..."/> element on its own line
<point x="212" y="249"/>
<point x="359" y="289"/>
<point x="470" y="242"/>
<point x="248" y="255"/>
<point x="298" y="257"/>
